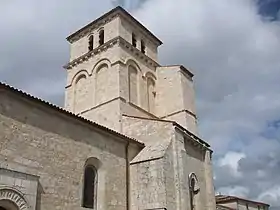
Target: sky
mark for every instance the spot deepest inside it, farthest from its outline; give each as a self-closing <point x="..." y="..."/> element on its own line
<point x="232" y="47"/>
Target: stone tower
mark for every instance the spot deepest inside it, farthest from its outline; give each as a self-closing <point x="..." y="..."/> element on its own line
<point x="114" y="71"/>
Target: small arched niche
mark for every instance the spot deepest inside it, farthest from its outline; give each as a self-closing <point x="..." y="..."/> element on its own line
<point x="133" y="84"/>
<point x="81" y="91"/>
<point x="102" y="83"/>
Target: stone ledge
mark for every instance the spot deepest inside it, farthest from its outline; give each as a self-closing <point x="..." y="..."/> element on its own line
<point x="116" y="41"/>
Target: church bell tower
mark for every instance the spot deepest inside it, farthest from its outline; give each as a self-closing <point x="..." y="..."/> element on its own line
<point x="114" y="71"/>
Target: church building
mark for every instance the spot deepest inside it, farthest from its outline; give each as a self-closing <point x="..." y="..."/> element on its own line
<point x="126" y="138"/>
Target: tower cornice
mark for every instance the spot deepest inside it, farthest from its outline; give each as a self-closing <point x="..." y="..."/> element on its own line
<point x="107" y="17"/>
<point x="116" y="41"/>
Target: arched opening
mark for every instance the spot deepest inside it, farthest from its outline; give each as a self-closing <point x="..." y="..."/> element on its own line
<point x="134" y="40"/>
<point x="8" y="205"/>
<point x="101" y="37"/>
<point x="90" y="187"/>
<point x="90" y="43"/>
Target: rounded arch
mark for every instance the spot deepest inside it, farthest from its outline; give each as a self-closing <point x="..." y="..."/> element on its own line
<point x="94" y="162"/>
<point x="131" y="62"/>
<point x="102" y="66"/>
<point x="90" y="34"/>
<point x="13" y="199"/>
<point x="101" y="63"/>
<point x="150" y="74"/>
<point x="79" y="75"/>
<point x="100" y="29"/>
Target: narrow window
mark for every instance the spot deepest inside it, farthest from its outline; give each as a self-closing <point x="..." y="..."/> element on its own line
<point x="90" y="182"/>
<point x="134" y="41"/>
<point x="143" y="47"/>
<point x="101" y="37"/>
<point x="90" y="43"/>
<point x="194" y="190"/>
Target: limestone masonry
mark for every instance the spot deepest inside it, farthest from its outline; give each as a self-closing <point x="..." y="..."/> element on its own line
<point x="126" y="140"/>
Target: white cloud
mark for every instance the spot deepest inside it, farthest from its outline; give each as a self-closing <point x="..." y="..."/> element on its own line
<point x="231" y="159"/>
<point x="234" y="55"/>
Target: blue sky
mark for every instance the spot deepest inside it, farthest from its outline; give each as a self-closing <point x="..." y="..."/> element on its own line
<point x="269" y="8"/>
<point x="232" y="47"/>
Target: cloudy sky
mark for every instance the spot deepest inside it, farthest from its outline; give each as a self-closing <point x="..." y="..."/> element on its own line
<point x="232" y="46"/>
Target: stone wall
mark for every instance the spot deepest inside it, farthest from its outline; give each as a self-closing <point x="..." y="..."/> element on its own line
<point x="175" y="97"/>
<point x="42" y="141"/>
<point x="173" y="155"/>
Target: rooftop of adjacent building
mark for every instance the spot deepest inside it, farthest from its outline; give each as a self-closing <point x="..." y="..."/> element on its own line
<point x="221" y="199"/>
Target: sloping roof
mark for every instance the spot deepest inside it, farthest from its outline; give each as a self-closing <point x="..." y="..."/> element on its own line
<point x="63" y="111"/>
<point x="120" y="10"/>
<point x="227" y="198"/>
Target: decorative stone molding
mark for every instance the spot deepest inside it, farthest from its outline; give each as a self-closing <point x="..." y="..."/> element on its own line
<point x="90" y="54"/>
<point x="122" y="43"/>
<point x="15" y="197"/>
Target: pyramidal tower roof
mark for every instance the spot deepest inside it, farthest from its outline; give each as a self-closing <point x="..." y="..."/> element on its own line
<point x="116" y="11"/>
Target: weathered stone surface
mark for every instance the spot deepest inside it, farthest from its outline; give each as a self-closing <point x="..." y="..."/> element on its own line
<point x="38" y="140"/>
